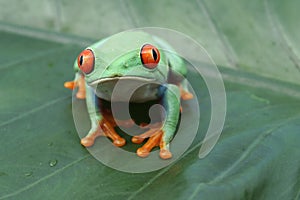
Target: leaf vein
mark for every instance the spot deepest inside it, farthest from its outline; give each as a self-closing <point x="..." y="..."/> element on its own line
<point x="283" y="38"/>
<point x="188" y="152"/>
<point x="227" y="48"/>
<point x="242" y="157"/>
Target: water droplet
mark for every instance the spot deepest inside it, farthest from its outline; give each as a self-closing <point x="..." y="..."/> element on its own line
<point x="52" y="163"/>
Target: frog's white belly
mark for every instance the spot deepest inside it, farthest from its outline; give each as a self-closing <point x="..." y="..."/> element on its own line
<point x="127" y="89"/>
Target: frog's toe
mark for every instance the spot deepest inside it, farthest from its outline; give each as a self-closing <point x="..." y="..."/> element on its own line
<point x="152" y="142"/>
<point x="119" y="142"/>
<point x="186" y="95"/>
<point x="165" y="154"/>
<point x="90" y="138"/>
<point x="87" y="141"/>
<point x="143" y="152"/>
<point x="109" y="131"/>
<point x="137" y="140"/>
<point x="70" y="85"/>
<point x="154" y="129"/>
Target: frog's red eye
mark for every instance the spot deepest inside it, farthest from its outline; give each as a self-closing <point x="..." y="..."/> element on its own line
<point x="86" y="61"/>
<point x="150" y="56"/>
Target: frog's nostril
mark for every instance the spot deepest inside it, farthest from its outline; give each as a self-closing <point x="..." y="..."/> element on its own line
<point x="116" y="75"/>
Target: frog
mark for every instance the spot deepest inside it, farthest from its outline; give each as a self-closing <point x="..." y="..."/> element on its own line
<point x="131" y="56"/>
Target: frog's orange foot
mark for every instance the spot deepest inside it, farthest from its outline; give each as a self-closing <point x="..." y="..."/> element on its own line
<point x="105" y="128"/>
<point x="165" y="154"/>
<point x="153" y="129"/>
<point x="154" y="140"/>
<point x="88" y="141"/>
<point x="80" y="83"/>
<point x="109" y="131"/>
<point x="70" y="85"/>
<point x="186" y="95"/>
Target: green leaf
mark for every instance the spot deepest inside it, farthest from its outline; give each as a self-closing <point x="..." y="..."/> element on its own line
<point x="256" y="46"/>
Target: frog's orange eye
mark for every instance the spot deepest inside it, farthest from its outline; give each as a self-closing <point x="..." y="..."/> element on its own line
<point x="150" y="56"/>
<point x="86" y="61"/>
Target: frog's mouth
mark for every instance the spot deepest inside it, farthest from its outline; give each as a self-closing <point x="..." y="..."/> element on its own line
<point x="118" y="88"/>
<point x="122" y="78"/>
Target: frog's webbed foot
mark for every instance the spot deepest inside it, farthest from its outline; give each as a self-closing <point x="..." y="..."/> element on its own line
<point x="155" y="135"/>
<point x="80" y="83"/>
<point x="105" y="128"/>
<point x="185" y="94"/>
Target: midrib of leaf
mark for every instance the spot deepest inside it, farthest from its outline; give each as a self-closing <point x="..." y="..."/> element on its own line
<point x="247" y="151"/>
<point x="45" y="177"/>
<point x="282" y="36"/>
<point x="36" y="109"/>
<point x="227" y="48"/>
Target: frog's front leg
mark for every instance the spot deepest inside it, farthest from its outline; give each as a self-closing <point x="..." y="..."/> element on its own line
<point x="78" y="82"/>
<point x="162" y="135"/>
<point x="101" y="124"/>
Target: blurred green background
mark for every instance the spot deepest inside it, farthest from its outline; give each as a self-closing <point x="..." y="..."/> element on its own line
<point x="256" y="46"/>
<point x="262" y="37"/>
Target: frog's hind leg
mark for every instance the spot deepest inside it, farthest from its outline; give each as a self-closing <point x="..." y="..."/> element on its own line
<point x="105" y="128"/>
<point x="102" y="123"/>
<point x="152" y="142"/>
<point x="155" y="135"/>
<point x="78" y="82"/>
<point x="153" y="129"/>
<point x="162" y="135"/>
<point x="155" y="139"/>
<point x="109" y="131"/>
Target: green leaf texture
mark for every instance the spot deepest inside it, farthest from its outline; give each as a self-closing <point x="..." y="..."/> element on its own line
<point x="256" y="47"/>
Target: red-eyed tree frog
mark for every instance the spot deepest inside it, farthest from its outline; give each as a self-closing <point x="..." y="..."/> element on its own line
<point x="131" y="56"/>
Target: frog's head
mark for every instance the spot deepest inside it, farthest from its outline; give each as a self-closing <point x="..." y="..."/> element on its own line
<point x="128" y="55"/>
